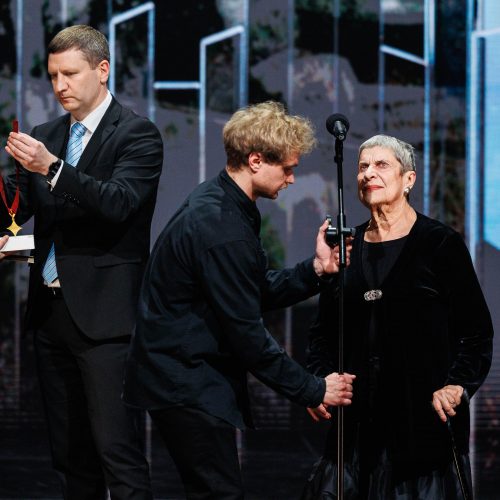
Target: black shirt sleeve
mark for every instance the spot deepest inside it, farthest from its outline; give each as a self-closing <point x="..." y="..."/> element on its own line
<point x="233" y="279"/>
<point x="289" y="286"/>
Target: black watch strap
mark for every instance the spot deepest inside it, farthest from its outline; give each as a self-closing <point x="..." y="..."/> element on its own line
<point x="53" y="168"/>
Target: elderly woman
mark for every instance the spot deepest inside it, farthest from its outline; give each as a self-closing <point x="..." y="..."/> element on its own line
<point x="418" y="337"/>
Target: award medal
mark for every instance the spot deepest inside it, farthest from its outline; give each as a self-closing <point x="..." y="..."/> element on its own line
<point x="14" y="228"/>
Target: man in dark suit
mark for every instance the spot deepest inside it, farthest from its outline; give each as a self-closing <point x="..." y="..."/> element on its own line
<point x="199" y="327"/>
<point x="90" y="179"/>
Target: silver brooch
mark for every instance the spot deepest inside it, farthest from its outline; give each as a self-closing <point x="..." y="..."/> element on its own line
<point x="373" y="295"/>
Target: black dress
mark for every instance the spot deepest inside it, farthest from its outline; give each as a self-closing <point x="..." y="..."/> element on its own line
<point x="398" y="346"/>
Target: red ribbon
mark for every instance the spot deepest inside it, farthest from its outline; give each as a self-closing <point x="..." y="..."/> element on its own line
<point x="15" y="204"/>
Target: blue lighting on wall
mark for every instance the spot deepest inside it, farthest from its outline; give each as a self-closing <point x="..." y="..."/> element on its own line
<point x="492" y="124"/>
<point x="483" y="126"/>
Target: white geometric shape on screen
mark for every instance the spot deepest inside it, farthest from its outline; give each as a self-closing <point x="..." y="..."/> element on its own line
<point x="307" y="187"/>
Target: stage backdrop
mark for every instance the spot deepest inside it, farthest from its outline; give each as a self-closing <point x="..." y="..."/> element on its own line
<point x="426" y="71"/>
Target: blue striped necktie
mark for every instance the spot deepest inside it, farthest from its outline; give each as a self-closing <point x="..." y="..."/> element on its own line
<point x="73" y="153"/>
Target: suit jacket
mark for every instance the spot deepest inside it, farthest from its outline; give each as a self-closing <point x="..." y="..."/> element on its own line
<point x="432" y="328"/>
<point x="98" y="215"/>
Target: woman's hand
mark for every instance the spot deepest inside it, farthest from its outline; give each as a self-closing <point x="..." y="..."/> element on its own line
<point x="446" y="400"/>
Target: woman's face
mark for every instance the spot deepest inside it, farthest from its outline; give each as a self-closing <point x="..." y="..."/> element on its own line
<point x="380" y="181"/>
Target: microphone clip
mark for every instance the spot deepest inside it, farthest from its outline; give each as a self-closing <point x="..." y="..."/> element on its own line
<point x="332" y="234"/>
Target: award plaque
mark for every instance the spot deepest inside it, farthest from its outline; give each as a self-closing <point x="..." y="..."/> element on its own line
<point x="15" y="243"/>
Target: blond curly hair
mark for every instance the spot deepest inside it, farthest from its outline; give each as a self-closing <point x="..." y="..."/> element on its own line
<point x="268" y="129"/>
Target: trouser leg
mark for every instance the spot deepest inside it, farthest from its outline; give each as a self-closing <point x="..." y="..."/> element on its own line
<point x="116" y="428"/>
<point x="204" y="450"/>
<point x="94" y="437"/>
<point x="73" y="451"/>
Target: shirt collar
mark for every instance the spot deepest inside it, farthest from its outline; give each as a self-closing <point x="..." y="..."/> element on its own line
<point x="92" y="120"/>
<point x="248" y="206"/>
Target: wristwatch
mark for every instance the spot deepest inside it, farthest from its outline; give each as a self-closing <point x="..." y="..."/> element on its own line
<point x="53" y="169"/>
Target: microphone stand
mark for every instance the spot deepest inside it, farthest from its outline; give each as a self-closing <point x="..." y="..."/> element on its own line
<point x="338" y="236"/>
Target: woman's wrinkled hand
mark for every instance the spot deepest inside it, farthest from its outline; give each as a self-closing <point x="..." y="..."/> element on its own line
<point x="445" y="400"/>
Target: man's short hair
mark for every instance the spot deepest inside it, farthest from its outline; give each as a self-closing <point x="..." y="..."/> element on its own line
<point x="268" y="129"/>
<point x="89" y="41"/>
<point x="404" y="152"/>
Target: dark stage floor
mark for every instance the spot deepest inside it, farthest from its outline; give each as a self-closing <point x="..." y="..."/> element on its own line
<point x="275" y="463"/>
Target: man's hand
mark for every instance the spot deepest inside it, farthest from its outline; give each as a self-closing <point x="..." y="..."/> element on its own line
<point x="30" y="153"/>
<point x="446" y="400"/>
<point x="338" y="389"/>
<point x="326" y="260"/>
<point x="338" y="393"/>
<point x="319" y="412"/>
<point x="3" y="240"/>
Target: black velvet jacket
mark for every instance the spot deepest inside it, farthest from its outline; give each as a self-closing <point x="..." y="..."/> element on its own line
<point x="433" y="329"/>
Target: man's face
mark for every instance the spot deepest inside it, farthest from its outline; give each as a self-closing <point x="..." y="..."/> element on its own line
<point x="78" y="87"/>
<point x="272" y="178"/>
<point x="380" y="181"/>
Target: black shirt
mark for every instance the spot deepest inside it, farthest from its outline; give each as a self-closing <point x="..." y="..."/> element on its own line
<point x="199" y="327"/>
<point x="378" y="259"/>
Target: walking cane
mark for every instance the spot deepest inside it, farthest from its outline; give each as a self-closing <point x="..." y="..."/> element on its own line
<point x="338" y="125"/>
<point x="460" y="476"/>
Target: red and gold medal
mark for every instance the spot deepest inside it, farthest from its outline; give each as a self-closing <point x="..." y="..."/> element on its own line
<point x="12" y="210"/>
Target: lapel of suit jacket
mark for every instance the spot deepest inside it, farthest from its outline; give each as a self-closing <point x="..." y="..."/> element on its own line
<point x="355" y="272"/>
<point x="103" y="131"/>
<point x="56" y="141"/>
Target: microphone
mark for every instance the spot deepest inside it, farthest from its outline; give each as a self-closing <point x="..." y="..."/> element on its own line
<point x="337" y="125"/>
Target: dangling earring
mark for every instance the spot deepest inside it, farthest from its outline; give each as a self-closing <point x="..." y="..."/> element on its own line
<point x="407" y="191"/>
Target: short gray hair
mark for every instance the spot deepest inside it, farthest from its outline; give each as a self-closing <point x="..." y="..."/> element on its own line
<point x="404" y="152"/>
